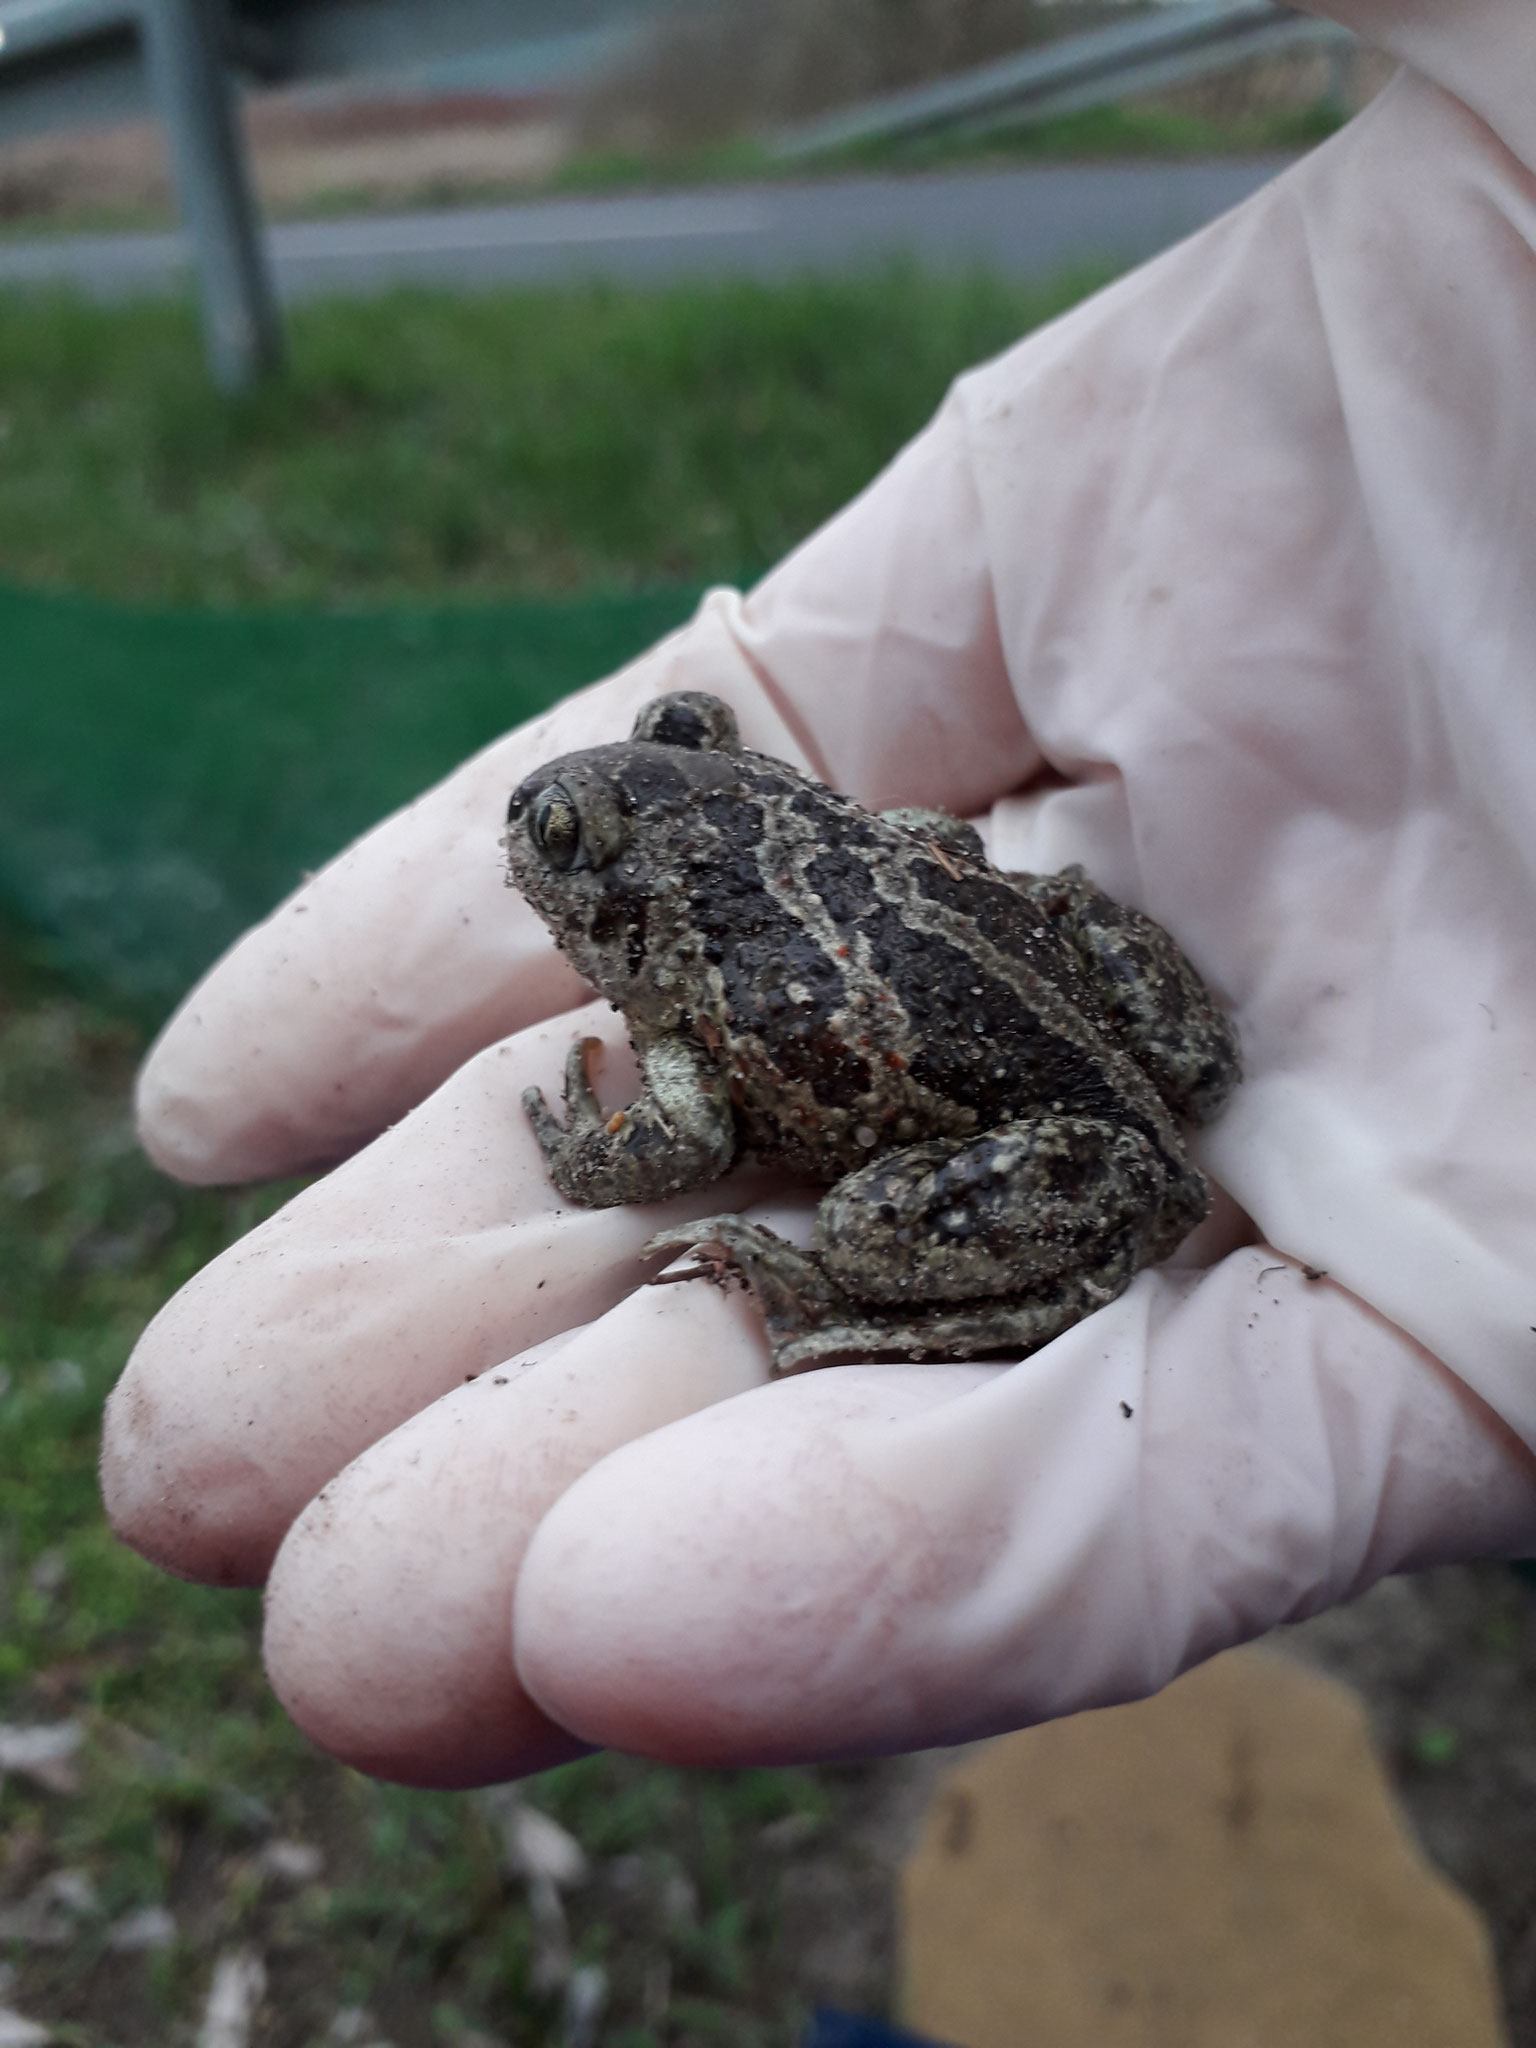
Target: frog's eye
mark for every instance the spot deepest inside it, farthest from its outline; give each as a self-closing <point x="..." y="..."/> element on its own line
<point x="690" y="719"/>
<point x="554" y="826"/>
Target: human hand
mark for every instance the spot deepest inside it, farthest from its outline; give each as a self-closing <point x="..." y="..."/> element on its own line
<point x="1260" y="675"/>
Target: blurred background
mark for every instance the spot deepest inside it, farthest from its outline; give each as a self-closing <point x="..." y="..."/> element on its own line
<point x="373" y="372"/>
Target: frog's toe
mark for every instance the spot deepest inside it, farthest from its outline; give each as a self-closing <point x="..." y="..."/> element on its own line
<point x="546" y="1127"/>
<point x="581" y="1104"/>
<point x="730" y="1233"/>
<point x="769" y="1262"/>
<point x="793" y="1293"/>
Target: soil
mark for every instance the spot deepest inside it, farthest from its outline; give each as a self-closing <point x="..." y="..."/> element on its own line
<point x="1446" y="1664"/>
<point x="308" y="151"/>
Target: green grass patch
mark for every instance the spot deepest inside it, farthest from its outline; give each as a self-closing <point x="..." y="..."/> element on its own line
<point x="454" y="511"/>
<point x="1095" y="134"/>
<point x="464" y="445"/>
<point x="166" y="776"/>
<point x="1100" y="133"/>
<point x="188" y="1772"/>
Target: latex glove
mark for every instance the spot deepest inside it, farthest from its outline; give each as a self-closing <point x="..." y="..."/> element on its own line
<point x="1224" y="585"/>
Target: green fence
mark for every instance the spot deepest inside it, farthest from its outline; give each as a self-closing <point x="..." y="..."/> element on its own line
<point x="165" y="777"/>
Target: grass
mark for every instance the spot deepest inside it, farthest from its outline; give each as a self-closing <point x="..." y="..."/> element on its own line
<point x="188" y="1772"/>
<point x="534" y="484"/>
<point x="1099" y="133"/>
<point x="1095" y="135"/>
<point x="511" y="442"/>
<point x="143" y="842"/>
<point x="425" y="449"/>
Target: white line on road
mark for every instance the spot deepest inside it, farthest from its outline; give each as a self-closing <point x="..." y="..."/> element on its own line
<point x="430" y="234"/>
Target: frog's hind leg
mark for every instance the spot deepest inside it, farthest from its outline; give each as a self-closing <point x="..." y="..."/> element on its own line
<point x="988" y="1328"/>
<point x="955" y="1247"/>
<point x="1184" y="1043"/>
<point x="1014" y="1213"/>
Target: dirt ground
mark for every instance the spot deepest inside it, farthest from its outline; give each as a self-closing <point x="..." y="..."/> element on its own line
<point x="1446" y="1664"/>
<point x="308" y="153"/>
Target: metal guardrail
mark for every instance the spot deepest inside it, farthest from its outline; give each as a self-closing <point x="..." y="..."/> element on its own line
<point x="56" y="54"/>
<point x="30" y="26"/>
<point x="181" y="45"/>
<point x="1181" y="44"/>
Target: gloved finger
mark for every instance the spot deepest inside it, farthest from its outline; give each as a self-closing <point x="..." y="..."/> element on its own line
<point x="389" y="1610"/>
<point x="437" y="1252"/>
<point x="820" y="1569"/>
<point x="400" y="959"/>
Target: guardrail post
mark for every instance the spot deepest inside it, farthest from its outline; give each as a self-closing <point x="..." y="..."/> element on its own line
<point x="241" y="323"/>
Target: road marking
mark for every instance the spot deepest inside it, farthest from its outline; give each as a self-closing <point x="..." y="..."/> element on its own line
<point x="633" y="221"/>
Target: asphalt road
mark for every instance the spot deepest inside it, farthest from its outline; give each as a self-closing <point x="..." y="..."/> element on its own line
<point x="1025" y="223"/>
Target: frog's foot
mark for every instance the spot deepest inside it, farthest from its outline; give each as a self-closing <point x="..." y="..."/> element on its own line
<point x="795" y="1296"/>
<point x="583" y="1113"/>
<point x="677" y="1132"/>
<point x="810" y="1321"/>
<point x="989" y="1328"/>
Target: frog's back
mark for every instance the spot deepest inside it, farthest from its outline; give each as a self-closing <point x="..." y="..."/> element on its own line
<point x="878" y="989"/>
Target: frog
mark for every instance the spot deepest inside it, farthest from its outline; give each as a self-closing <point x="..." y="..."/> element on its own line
<point x="988" y="1074"/>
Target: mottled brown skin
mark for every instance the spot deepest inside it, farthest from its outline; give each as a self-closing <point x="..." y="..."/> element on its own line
<point x="988" y="1070"/>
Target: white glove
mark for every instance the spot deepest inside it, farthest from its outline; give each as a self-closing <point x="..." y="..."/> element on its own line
<point x="1224" y="585"/>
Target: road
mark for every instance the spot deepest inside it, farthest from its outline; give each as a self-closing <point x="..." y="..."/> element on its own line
<point x="1027" y="222"/>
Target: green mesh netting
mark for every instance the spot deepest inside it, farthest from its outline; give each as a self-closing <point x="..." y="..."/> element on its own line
<point x="166" y="777"/>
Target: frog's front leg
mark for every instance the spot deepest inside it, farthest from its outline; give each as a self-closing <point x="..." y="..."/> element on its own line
<point x="953" y="1248"/>
<point x="678" y="1133"/>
